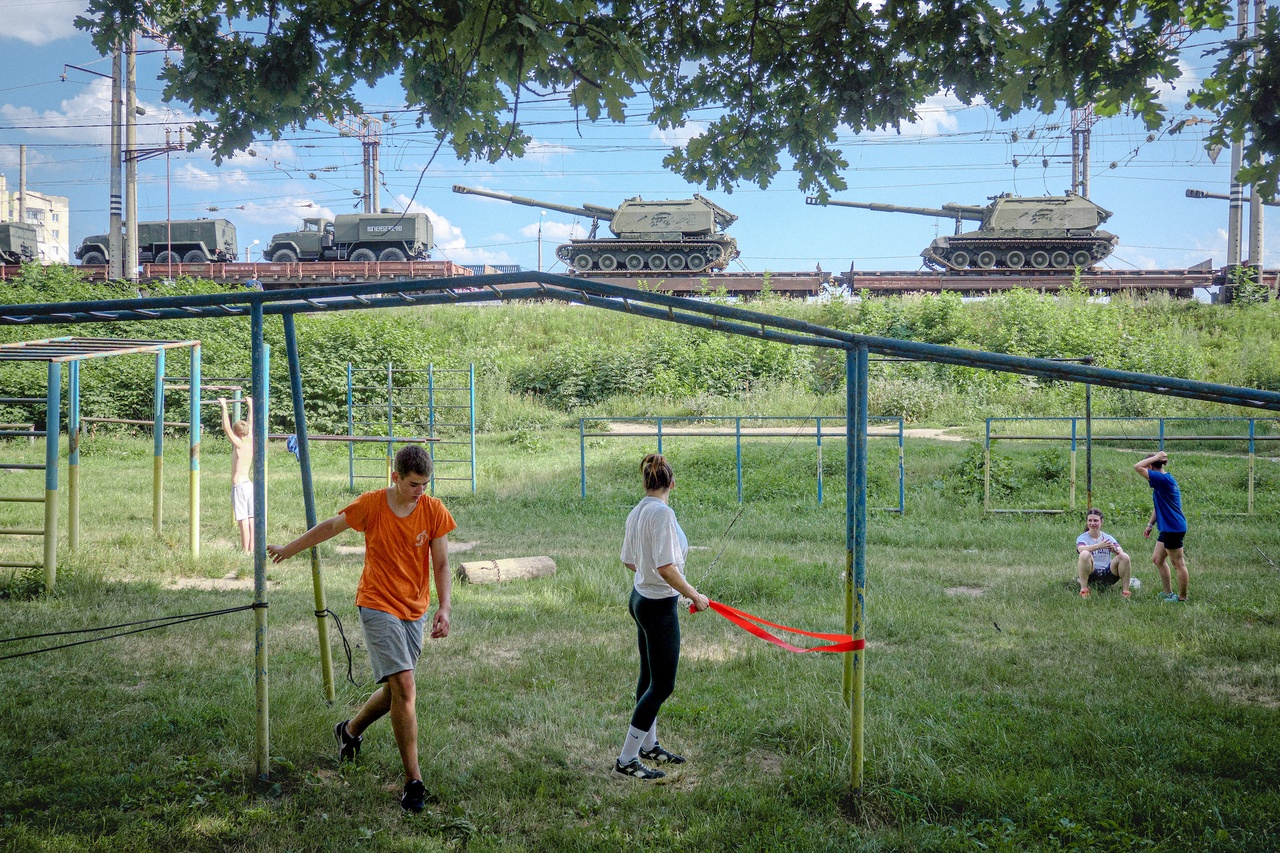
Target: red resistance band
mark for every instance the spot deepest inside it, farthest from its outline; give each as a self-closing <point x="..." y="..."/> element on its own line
<point x="751" y="624"/>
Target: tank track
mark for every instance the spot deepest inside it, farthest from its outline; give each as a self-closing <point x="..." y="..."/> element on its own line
<point x="1052" y="253"/>
<point x="689" y="257"/>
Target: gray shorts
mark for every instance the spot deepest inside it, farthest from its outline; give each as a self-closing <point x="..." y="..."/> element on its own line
<point x="394" y="644"/>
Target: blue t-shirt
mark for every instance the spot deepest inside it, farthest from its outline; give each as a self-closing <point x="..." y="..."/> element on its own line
<point x="1168" y="502"/>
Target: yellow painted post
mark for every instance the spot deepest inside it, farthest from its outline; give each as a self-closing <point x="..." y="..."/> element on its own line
<point x="194" y="484"/>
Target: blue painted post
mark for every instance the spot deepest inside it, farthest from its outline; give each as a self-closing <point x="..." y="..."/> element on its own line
<point x="431" y="420"/>
<point x="659" y="436"/>
<point x="259" y="412"/>
<point x="351" y="430"/>
<point x="391" y="422"/>
<point x="73" y="455"/>
<point x="157" y="448"/>
<point x="1251" y="467"/>
<point x="850" y="503"/>
<point x="52" y="435"/>
<point x="818" y="429"/>
<point x="902" y="470"/>
<point x="195" y="449"/>
<point x="471" y="384"/>
<point x="582" y="455"/>
<point x="1073" y="463"/>
<point x="737" y="454"/>
<point x="859" y="568"/>
<point x="308" y="502"/>
<point x="986" y="469"/>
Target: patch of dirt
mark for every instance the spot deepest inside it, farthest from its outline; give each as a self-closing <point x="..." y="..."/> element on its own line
<point x="225" y="583"/>
<point x="971" y="591"/>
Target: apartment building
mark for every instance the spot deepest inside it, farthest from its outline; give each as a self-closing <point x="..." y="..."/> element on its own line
<point x="50" y="214"/>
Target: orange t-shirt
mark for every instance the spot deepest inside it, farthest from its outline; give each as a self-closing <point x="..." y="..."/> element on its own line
<point x="397" y="554"/>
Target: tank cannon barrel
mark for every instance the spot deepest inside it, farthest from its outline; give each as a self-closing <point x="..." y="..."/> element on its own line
<point x="595" y="211"/>
<point x="947" y="211"/>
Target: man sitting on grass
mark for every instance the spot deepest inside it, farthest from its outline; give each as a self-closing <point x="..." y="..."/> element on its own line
<point x="1101" y="560"/>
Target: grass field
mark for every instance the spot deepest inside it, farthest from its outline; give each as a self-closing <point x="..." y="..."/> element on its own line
<point x="1002" y="712"/>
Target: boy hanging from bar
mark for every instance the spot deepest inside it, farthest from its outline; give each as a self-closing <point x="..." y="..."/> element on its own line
<point x="240" y="434"/>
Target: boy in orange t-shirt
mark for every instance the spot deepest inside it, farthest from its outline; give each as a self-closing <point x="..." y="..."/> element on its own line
<point x="406" y="532"/>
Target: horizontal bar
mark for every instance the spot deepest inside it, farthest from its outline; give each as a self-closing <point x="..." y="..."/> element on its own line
<point x="21" y="500"/>
<point x="8" y="400"/>
<point x="21" y="531"/>
<point x="25" y="433"/>
<point x="356" y="439"/>
<point x="4" y="565"/>
<point x="1081" y="438"/>
<point x="21" y="466"/>
<point x="753" y="434"/>
<point x="1028" y="511"/>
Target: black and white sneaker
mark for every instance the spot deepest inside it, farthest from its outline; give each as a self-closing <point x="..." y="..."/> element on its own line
<point x="636" y="770"/>
<point x="658" y="755"/>
<point x="348" y="746"/>
<point x="414" y="798"/>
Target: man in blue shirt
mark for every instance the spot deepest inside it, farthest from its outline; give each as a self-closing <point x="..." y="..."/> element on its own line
<point x="1167" y="516"/>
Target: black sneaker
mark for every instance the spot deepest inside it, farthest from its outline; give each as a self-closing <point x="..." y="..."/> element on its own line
<point x="636" y="770"/>
<point x="348" y="746"/>
<point x="414" y="797"/>
<point x="658" y="755"/>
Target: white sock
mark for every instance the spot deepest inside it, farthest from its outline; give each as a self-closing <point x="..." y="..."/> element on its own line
<point x="631" y="746"/>
<point x="651" y="737"/>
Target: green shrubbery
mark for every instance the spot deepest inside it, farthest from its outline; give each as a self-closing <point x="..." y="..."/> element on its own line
<point x="538" y="363"/>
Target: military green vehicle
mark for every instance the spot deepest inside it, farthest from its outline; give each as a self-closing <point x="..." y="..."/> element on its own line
<point x="18" y="243"/>
<point x="361" y="237"/>
<point x="1041" y="232"/>
<point x="190" y="241"/>
<point x="679" y="235"/>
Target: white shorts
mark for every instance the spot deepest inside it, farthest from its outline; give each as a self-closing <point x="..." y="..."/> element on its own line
<point x="242" y="500"/>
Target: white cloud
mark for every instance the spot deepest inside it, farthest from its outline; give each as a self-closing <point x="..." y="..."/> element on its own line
<point x="86" y="117"/>
<point x="555" y="232"/>
<point x="40" y="23"/>
<point x="934" y="116"/>
<point x="191" y="175"/>
<point x="1173" y="94"/>
<point x="451" y="244"/>
<point x="678" y="137"/>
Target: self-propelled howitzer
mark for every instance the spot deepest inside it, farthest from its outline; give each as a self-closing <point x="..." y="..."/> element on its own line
<point x="1043" y="232"/>
<point x="683" y="236"/>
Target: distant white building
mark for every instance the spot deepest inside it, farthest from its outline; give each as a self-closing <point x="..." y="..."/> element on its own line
<point x="50" y="214"/>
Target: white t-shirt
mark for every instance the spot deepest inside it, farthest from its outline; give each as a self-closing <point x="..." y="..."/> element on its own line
<point x="654" y="538"/>
<point x="1101" y="557"/>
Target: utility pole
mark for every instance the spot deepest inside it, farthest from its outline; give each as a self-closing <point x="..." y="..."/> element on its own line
<point x="22" y="183"/>
<point x="369" y="131"/>
<point x="1082" y="121"/>
<point x="131" y="163"/>
<point x="1255" y="198"/>
<point x="114" y="241"/>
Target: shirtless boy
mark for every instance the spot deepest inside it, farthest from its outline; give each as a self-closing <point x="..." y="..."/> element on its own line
<point x="241" y="436"/>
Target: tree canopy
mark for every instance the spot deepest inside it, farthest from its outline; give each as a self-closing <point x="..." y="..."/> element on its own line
<point x="771" y="79"/>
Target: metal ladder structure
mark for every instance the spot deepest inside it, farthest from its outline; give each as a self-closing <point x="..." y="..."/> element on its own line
<point x="435" y="403"/>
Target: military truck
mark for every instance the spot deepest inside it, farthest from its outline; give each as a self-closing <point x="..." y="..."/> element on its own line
<point x="18" y="243"/>
<point x="192" y="241"/>
<point x="1042" y="232"/>
<point x="386" y="236"/>
<point x="681" y="235"/>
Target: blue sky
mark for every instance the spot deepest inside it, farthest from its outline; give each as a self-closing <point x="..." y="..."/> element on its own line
<point x="952" y="153"/>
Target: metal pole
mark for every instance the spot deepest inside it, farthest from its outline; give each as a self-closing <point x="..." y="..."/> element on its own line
<point x="582" y="456"/>
<point x="818" y="431"/>
<point x="259" y="413"/>
<point x="114" y="241"/>
<point x="858" y="565"/>
<point x="850" y="499"/>
<point x="471" y="382"/>
<point x="73" y="455"/>
<point x="129" y="264"/>
<point x="391" y="423"/>
<point x="52" y="432"/>
<point x="1088" y="445"/>
<point x="194" y="484"/>
<point x="737" y="454"/>
<point x="157" y="452"/>
<point x="351" y="430"/>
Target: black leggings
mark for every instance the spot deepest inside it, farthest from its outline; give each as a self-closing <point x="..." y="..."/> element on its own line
<point x="658" y="633"/>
